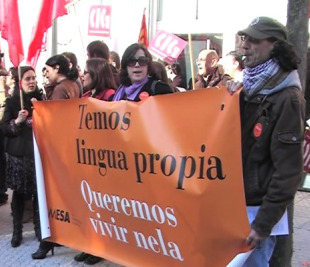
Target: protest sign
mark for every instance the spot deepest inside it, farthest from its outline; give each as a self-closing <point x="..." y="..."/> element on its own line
<point x="150" y="183"/>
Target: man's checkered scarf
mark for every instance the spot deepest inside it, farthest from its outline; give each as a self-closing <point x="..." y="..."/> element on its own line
<point x="255" y="78"/>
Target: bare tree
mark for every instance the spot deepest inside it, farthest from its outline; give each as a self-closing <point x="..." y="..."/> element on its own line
<point x="298" y="32"/>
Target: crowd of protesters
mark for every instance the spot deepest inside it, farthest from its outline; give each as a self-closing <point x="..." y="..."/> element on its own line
<point x="268" y="72"/>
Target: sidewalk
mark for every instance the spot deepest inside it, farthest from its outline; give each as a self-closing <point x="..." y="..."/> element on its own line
<point x="21" y="256"/>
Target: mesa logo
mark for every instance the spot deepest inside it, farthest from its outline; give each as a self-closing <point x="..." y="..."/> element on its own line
<point x="59" y="215"/>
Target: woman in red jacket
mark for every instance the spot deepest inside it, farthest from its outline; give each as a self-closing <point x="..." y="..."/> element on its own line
<point x="98" y="83"/>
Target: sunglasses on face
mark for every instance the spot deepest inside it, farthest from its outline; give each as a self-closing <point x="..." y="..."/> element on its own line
<point x="250" y="39"/>
<point x="143" y="61"/>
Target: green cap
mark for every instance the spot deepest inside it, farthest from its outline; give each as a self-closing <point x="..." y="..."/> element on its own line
<point x="264" y="27"/>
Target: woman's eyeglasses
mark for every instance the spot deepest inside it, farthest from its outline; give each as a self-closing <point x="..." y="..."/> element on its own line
<point x="143" y="61"/>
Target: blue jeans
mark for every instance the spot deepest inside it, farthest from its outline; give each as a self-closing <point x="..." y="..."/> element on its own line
<point x="262" y="253"/>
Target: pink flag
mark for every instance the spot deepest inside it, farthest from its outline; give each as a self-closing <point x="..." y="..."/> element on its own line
<point x="1" y="13"/>
<point x="10" y="30"/>
<point x="50" y="10"/>
<point x="166" y="46"/>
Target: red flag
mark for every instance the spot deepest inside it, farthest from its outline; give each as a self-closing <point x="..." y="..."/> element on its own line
<point x="2" y="13"/>
<point x="143" y="32"/>
<point x="50" y="10"/>
<point x="10" y="30"/>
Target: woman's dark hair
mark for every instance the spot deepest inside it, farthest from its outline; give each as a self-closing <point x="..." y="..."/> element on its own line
<point x="114" y="57"/>
<point x="238" y="57"/>
<point x="101" y="74"/>
<point x="285" y="55"/>
<point x="98" y="49"/>
<point x="128" y="54"/>
<point x="71" y="57"/>
<point x="3" y="71"/>
<point x="63" y="66"/>
<point x="23" y="70"/>
<point x="160" y="71"/>
<point x="176" y="68"/>
<point x="15" y="75"/>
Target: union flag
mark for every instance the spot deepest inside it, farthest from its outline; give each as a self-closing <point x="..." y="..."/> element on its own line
<point x="143" y="39"/>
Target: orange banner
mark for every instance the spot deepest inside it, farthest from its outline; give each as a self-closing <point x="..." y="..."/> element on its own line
<point x="153" y="183"/>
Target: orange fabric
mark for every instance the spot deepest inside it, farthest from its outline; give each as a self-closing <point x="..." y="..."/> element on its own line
<point x="163" y="186"/>
<point x="143" y="38"/>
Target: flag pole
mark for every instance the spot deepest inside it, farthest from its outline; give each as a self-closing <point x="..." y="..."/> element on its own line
<point x="20" y="89"/>
<point x="191" y="60"/>
<point x="78" y="25"/>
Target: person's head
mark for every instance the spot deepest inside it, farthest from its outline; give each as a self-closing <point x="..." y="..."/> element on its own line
<point x="259" y="39"/>
<point x="160" y="71"/>
<point x="207" y="62"/>
<point x="232" y="63"/>
<point x="98" y="75"/>
<point x="3" y="71"/>
<point x="98" y="49"/>
<point x="71" y="57"/>
<point x="176" y="68"/>
<point x="136" y="64"/>
<point x="10" y="80"/>
<point x="115" y="60"/>
<point x="58" y="67"/>
<point x="28" y="79"/>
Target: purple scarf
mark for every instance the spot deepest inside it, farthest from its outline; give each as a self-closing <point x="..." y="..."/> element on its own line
<point x="129" y="92"/>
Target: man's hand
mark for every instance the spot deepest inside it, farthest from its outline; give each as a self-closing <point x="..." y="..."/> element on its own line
<point x="233" y="86"/>
<point x="253" y="238"/>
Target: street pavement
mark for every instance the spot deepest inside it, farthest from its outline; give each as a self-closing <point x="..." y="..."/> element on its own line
<point x="21" y="256"/>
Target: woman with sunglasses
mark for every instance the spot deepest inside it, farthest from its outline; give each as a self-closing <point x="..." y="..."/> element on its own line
<point x="137" y="76"/>
<point x="20" y="168"/>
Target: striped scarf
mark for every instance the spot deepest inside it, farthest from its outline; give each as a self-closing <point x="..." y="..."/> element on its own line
<point x="255" y="78"/>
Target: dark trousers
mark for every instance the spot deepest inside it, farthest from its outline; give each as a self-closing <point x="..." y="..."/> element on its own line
<point x="3" y="195"/>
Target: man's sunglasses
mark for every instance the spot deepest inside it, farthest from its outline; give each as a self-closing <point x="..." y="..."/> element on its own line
<point x="250" y="39"/>
<point x="143" y="61"/>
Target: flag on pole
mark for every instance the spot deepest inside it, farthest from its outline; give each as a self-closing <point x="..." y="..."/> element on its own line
<point x="50" y="10"/>
<point x="2" y="13"/>
<point x="10" y="30"/>
<point x="143" y="39"/>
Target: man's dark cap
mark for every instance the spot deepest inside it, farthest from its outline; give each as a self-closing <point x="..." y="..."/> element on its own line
<point x="264" y="27"/>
